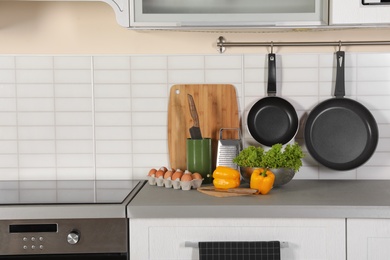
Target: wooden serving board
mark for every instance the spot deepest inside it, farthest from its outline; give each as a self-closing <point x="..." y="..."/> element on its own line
<point x="217" y="108"/>
<point x="212" y="191"/>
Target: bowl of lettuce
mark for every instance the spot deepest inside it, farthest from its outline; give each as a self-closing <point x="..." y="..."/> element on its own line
<point x="284" y="162"/>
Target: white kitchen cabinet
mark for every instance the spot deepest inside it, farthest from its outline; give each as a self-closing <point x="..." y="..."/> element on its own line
<point x="146" y="14"/>
<point x="308" y="239"/>
<point x="353" y="12"/>
<point x="368" y="239"/>
<point x="227" y="13"/>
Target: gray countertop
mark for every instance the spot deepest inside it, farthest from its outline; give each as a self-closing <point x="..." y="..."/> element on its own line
<point x="18" y="208"/>
<point x="297" y="199"/>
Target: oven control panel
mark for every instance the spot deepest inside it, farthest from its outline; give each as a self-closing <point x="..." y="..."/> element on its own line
<point x="63" y="236"/>
<point x="33" y="243"/>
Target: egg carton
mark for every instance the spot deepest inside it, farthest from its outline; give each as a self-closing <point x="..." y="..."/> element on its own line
<point x="175" y="184"/>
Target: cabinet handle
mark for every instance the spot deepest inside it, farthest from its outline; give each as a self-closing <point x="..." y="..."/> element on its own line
<point x="191" y="244"/>
<point x="283" y="244"/>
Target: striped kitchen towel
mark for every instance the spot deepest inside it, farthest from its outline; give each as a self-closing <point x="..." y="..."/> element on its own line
<point x="239" y="250"/>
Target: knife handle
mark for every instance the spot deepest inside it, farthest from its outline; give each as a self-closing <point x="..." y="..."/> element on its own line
<point x="193" y="111"/>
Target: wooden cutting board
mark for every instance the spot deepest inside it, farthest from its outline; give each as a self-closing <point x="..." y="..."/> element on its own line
<point x="212" y="191"/>
<point x="217" y="108"/>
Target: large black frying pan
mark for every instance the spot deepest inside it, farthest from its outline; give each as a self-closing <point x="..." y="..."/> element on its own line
<point x="341" y="133"/>
<point x="272" y="120"/>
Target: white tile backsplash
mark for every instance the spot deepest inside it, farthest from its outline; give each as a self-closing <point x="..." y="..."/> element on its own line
<point x="185" y="62"/>
<point x="8" y="118"/>
<point x="34" y="62"/>
<point x="36" y="133"/>
<point x="7" y="104"/>
<point x="113" y="133"/>
<point x="187" y="76"/>
<point x="148" y="62"/>
<point x="8" y="133"/>
<point x="34" y="90"/>
<point x="37" y="146"/>
<point x="34" y="76"/>
<point x="149" y="90"/>
<point x="149" y="76"/>
<point x="112" y="76"/>
<point x="228" y="76"/>
<point x="112" y="90"/>
<point x="105" y="117"/>
<point x="7" y="62"/>
<point x="298" y="61"/>
<point x="74" y="132"/>
<point x="73" y="90"/>
<point x="372" y="60"/>
<point x="74" y="118"/>
<point x="223" y="62"/>
<point x="255" y="61"/>
<point x="112" y="104"/>
<point x="75" y="160"/>
<point x="7" y="90"/>
<point x="75" y="146"/>
<point x="109" y="62"/>
<point x="73" y="104"/>
<point x="7" y="76"/>
<point x="69" y="62"/>
<point x="113" y="119"/>
<point x="8" y="147"/>
<point x="37" y="160"/>
<point x="35" y="104"/>
<point x="72" y="76"/>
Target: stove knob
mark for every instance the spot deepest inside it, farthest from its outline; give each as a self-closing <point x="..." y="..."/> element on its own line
<point x="73" y="237"/>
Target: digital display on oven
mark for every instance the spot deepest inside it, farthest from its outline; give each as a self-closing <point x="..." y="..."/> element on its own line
<point x="33" y="228"/>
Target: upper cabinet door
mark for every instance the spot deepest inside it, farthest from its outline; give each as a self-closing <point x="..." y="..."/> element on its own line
<point x="354" y="12"/>
<point x="227" y="13"/>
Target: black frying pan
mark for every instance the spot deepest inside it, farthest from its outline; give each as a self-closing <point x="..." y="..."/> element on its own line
<point x="272" y="120"/>
<point x="341" y="133"/>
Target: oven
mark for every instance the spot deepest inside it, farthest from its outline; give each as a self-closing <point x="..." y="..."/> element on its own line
<point x="65" y="219"/>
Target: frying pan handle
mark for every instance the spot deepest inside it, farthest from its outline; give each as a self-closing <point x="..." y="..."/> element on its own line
<point x="340" y="80"/>
<point x="271" y="88"/>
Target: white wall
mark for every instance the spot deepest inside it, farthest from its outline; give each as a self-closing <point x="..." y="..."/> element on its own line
<point x="91" y="28"/>
<point x="105" y="117"/>
<point x="83" y="98"/>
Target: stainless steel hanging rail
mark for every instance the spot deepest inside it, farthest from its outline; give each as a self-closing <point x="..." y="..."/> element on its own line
<point x="222" y="44"/>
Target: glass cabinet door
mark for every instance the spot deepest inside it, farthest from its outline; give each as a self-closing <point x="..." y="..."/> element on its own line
<point x="228" y="12"/>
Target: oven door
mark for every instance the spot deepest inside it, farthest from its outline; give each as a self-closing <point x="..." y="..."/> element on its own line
<point x="111" y="256"/>
<point x="76" y="239"/>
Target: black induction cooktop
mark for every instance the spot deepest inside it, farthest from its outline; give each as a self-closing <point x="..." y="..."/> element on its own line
<point x="65" y="191"/>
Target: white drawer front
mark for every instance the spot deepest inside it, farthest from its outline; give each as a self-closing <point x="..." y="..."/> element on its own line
<point x="307" y="238"/>
<point x="368" y="239"/>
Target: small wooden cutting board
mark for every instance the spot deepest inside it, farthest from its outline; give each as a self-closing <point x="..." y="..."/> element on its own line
<point x="212" y="191"/>
<point x="217" y="108"/>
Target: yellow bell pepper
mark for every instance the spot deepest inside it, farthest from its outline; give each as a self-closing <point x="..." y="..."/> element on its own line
<point x="262" y="180"/>
<point x="226" y="178"/>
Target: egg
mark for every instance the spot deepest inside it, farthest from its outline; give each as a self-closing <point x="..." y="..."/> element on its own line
<point x="186" y="177"/>
<point x="196" y="176"/>
<point x="164" y="169"/>
<point x="168" y="174"/>
<point x="152" y="172"/>
<point x="159" y="174"/>
<point x="177" y="175"/>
